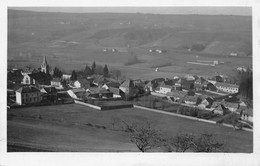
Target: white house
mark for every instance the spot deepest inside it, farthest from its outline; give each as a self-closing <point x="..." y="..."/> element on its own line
<point x="66" y="76"/>
<point x="230" y="88"/>
<point x="82" y="83"/>
<point x="56" y="82"/>
<point x="28" y="95"/>
<point x="28" y="80"/>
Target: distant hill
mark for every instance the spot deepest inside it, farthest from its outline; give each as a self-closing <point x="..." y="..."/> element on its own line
<point x="202" y="33"/>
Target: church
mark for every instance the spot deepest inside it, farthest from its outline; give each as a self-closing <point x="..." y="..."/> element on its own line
<point x="44" y="66"/>
<point x="42" y="77"/>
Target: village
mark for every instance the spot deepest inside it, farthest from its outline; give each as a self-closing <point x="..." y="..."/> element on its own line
<point x="190" y="95"/>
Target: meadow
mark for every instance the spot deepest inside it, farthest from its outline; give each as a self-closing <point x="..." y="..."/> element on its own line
<point x="78" y="128"/>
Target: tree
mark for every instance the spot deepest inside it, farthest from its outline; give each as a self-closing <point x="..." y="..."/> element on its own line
<point x="87" y="71"/>
<point x="99" y="69"/>
<point x="116" y="73"/>
<point x="57" y="72"/>
<point x="245" y="80"/>
<point x="207" y="143"/>
<point x="105" y="71"/>
<point x="144" y="137"/>
<point x="181" y="142"/>
<point x="73" y="76"/>
<point x="93" y="68"/>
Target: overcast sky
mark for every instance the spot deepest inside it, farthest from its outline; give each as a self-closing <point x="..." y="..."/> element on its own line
<point x="244" y="11"/>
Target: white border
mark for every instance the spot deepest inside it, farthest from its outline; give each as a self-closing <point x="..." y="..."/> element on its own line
<point x="127" y="158"/>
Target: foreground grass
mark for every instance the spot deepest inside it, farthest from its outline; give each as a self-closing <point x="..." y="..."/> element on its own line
<point x="78" y="128"/>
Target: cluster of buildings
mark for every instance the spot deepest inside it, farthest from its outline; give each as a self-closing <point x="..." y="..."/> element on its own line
<point x="211" y="94"/>
<point x="38" y="85"/>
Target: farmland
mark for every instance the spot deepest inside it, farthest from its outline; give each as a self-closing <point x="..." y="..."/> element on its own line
<point x="78" y="128"/>
<point x="69" y="41"/>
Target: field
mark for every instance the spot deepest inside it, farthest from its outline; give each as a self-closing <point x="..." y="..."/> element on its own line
<point x="70" y="41"/>
<point x="78" y="128"/>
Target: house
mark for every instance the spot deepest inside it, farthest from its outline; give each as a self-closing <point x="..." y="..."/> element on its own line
<point x="116" y="92"/>
<point x="192" y="100"/>
<point x="27" y="79"/>
<point x="28" y="95"/>
<point x="128" y="88"/>
<point x="199" y="83"/>
<point x="78" y="93"/>
<point x="164" y="89"/>
<point x="39" y="78"/>
<point x="99" y="80"/>
<point x="233" y="54"/>
<point x="225" y="87"/>
<point x="186" y="84"/>
<point x="56" y="82"/>
<point x="108" y="85"/>
<point x="176" y="95"/>
<point x="209" y="86"/>
<point x="217" y="108"/>
<point x="82" y="83"/>
<point x="231" y="106"/>
<point x="247" y="115"/>
<point x="49" y="93"/>
<point x="66" y="76"/>
<point x="206" y="102"/>
<point x="150" y="86"/>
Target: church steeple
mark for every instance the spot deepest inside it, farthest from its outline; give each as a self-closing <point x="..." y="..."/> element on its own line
<point x="45" y="66"/>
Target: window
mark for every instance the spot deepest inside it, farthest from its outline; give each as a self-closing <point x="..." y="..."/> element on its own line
<point x="27" y="80"/>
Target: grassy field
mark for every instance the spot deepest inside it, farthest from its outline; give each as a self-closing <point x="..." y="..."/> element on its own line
<point x="78" y="128"/>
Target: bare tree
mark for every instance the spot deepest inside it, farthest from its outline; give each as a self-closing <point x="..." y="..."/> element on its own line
<point x="180" y="143"/>
<point x="207" y="143"/>
<point x="144" y="137"/>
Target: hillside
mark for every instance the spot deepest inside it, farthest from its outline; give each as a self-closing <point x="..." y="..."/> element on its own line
<point x="70" y="40"/>
<point x="213" y="33"/>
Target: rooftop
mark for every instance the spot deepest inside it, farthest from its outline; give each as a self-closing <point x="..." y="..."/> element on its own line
<point x="27" y="89"/>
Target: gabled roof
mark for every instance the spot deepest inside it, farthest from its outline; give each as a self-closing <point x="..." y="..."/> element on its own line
<point x="27" y="89"/>
<point x="200" y="80"/>
<point x="97" y="90"/>
<point x="113" y="84"/>
<point x="114" y="90"/>
<point x="165" y="86"/>
<point x="49" y="90"/>
<point x="190" y="98"/>
<point x="177" y="93"/>
<point x="232" y="105"/>
<point x="83" y="81"/>
<point x="151" y="84"/>
<point x="127" y="84"/>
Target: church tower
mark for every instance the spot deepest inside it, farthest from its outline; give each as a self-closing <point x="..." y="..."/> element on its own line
<point x="45" y="66"/>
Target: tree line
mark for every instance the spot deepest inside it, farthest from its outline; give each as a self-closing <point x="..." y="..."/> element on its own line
<point x="89" y="71"/>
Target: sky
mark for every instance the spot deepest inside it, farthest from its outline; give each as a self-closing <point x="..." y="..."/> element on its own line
<point x="244" y="11"/>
